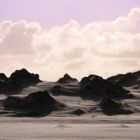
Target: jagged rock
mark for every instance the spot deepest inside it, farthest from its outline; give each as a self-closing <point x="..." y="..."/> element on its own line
<point x="35" y="104"/>
<point x="67" y="79"/>
<point x="24" y="77"/>
<point x="111" y="107"/>
<point x="17" y="81"/>
<point x="128" y="79"/>
<point x="2" y="76"/>
<point x="95" y="86"/>
<point x="9" y="87"/>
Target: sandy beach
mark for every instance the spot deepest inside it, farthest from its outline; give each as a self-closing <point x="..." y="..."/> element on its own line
<point x="27" y="129"/>
<point x="69" y="70"/>
<point x="62" y="125"/>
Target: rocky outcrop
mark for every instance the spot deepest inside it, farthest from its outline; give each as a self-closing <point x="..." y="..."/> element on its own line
<point x="128" y="79"/>
<point x="35" y="104"/>
<point x="17" y="81"/>
<point x="24" y="77"/>
<point x="95" y="86"/>
<point x="8" y="86"/>
<point x="67" y="79"/>
<point x="111" y="107"/>
<point x="2" y="76"/>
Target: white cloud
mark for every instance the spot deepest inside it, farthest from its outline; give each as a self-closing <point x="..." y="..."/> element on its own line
<point x="16" y="38"/>
<point x="103" y="48"/>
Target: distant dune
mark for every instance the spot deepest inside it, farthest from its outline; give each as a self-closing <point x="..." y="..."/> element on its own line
<point x="67" y="96"/>
<point x="67" y="79"/>
<point x="128" y="79"/>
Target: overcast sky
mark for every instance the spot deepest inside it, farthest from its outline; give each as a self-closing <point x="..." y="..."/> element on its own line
<point x="80" y="37"/>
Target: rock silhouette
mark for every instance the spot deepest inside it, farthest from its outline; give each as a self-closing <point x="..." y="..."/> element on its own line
<point x="96" y="86"/>
<point x="3" y="76"/>
<point x="111" y="107"/>
<point x="128" y="79"/>
<point x="24" y="77"/>
<point x="67" y="79"/>
<point x="17" y="81"/>
<point x="8" y="86"/>
<point x="35" y="104"/>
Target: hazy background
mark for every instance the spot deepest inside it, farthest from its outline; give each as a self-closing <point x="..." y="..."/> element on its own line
<point x="52" y="37"/>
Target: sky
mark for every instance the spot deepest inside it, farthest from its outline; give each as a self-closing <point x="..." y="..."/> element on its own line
<point x="79" y="37"/>
<point x="57" y="12"/>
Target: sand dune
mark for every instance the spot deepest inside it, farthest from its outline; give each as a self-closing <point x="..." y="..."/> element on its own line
<point x="80" y="119"/>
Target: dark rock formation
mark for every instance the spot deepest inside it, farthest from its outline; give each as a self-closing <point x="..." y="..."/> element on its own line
<point x="67" y="79"/>
<point x="8" y="86"/>
<point x="95" y="86"/>
<point x="35" y="104"/>
<point x="128" y="79"/>
<point x="56" y="90"/>
<point x="2" y="76"/>
<point x="17" y="81"/>
<point x="78" y="112"/>
<point x="24" y="77"/>
<point x="111" y="107"/>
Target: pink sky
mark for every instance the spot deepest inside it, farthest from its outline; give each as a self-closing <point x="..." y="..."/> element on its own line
<point x="79" y="37"/>
<point x="53" y="12"/>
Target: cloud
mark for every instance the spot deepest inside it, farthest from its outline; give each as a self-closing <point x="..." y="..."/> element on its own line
<point x="104" y="47"/>
<point x="16" y="38"/>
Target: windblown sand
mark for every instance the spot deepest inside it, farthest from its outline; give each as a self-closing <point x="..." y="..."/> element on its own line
<point x="62" y="125"/>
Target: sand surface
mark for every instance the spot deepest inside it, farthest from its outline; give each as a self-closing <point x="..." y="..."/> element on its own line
<point x="62" y="125"/>
<point x="62" y="131"/>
